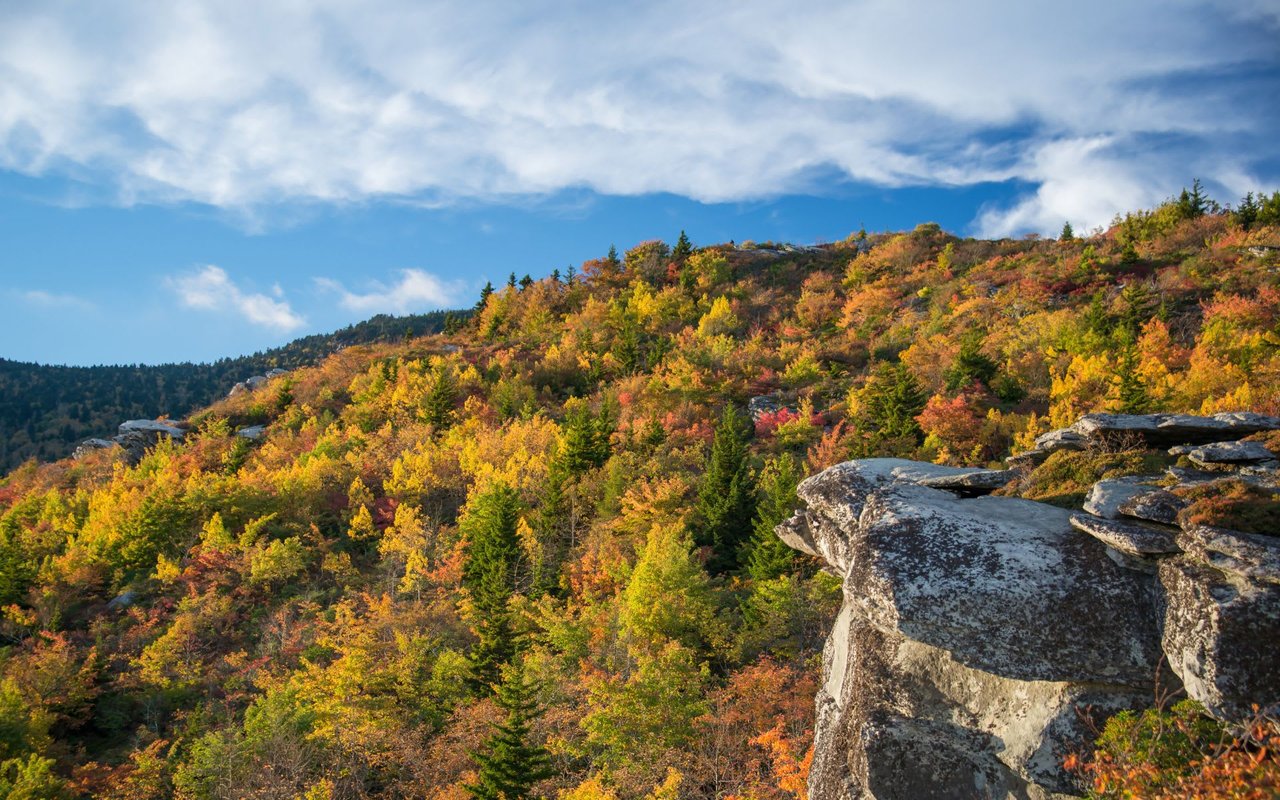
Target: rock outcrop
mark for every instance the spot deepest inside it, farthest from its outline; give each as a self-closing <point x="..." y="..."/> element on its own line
<point x="979" y="632"/>
<point x="134" y="438"/>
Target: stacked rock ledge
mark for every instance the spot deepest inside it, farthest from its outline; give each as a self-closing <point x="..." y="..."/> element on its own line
<point x="975" y="629"/>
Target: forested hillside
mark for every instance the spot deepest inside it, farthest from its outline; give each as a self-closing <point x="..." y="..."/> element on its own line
<point x="558" y="520"/>
<point x="46" y="410"/>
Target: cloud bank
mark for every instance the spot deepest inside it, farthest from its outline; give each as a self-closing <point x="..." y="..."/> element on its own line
<point x="211" y="289"/>
<point x="1097" y="107"/>
<point x="415" y="292"/>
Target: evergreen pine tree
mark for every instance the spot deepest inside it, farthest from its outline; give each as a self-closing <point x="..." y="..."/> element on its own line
<point x="1068" y="233"/>
<point x="511" y="281"/>
<point x="438" y="405"/>
<point x="490" y="575"/>
<point x="1131" y="394"/>
<point x="683" y="248"/>
<point x="612" y="258"/>
<point x="550" y="523"/>
<point x="526" y="282"/>
<point x="893" y="398"/>
<point x="726" y="498"/>
<point x="510" y="764"/>
<point x="970" y="365"/>
<point x="768" y="556"/>
<point x="484" y="295"/>
<point x="586" y="440"/>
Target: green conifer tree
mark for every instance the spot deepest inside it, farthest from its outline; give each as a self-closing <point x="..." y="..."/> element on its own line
<point x="892" y="399"/>
<point x="683" y="248"/>
<point x="971" y="365"/>
<point x="1068" y="233"/>
<point x="726" y="498"/>
<point x="490" y="574"/>
<point x="438" y="405"/>
<point x="586" y="438"/>
<point x="484" y="295"/>
<point x="768" y="556"/>
<point x="510" y="763"/>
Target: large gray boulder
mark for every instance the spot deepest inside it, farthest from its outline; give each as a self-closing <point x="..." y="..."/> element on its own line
<point x="971" y="631"/>
<point x="152" y="427"/>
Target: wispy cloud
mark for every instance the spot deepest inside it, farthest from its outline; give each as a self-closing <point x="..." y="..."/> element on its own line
<point x="240" y="106"/>
<point x="416" y="291"/>
<point x="211" y="289"/>
<point x="39" y="298"/>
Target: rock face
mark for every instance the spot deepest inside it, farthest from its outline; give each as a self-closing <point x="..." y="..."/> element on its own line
<point x="135" y="436"/>
<point x="974" y="629"/>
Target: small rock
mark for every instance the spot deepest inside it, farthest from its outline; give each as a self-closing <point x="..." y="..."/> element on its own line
<point x="277" y="372"/>
<point x="253" y="432"/>
<point x="153" y="427"/>
<point x="1130" y="538"/>
<point x="1210" y="455"/>
<point x="92" y="446"/>
<point x="239" y="389"/>
<point x="123" y="600"/>
<point x="1047" y="444"/>
<point x="760" y="405"/>
<point x="1106" y="496"/>
<point x="256" y="382"/>
<point x="1158" y="506"/>
<point x="971" y="484"/>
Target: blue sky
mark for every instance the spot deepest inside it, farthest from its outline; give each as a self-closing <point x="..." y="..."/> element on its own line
<point x="213" y="179"/>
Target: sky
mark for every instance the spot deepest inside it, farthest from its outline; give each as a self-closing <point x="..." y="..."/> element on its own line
<point x="186" y="181"/>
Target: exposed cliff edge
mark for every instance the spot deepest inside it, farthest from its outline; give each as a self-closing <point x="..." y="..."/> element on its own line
<point x="976" y="629"/>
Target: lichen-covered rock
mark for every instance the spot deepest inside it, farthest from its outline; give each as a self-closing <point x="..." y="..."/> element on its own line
<point x="1046" y="444"/>
<point x="1171" y="429"/>
<point x="971" y="483"/>
<point x="971" y="630"/>
<point x="1130" y="538"/>
<point x="1106" y="496"/>
<point x="92" y="446"/>
<point x="1228" y="453"/>
<point x="1247" y="555"/>
<point x="1154" y="506"/>
<point x="253" y="432"/>
<point x="1219" y="633"/>
<point x="152" y="427"/>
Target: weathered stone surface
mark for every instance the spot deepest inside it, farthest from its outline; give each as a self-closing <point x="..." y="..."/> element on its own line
<point x="153" y="427"/>
<point x="277" y="372"/>
<point x="1130" y="538"/>
<point x="253" y="432"/>
<point x="1248" y="555"/>
<point x="256" y="382"/>
<point x="971" y="483"/>
<point x="92" y="446"/>
<point x="941" y="676"/>
<point x="763" y="404"/>
<point x="1219" y="635"/>
<point x="238" y="389"/>
<point x="1106" y="497"/>
<point x="1156" y="506"/>
<point x="1170" y="429"/>
<point x="1047" y="444"/>
<point x="1210" y="455"/>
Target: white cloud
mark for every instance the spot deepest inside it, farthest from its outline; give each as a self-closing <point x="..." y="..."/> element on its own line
<point x="241" y="105"/>
<point x="39" y="298"/>
<point x="415" y="292"/>
<point x="211" y="289"/>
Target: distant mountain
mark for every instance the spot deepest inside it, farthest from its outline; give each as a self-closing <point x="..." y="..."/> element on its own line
<point x="45" y="410"/>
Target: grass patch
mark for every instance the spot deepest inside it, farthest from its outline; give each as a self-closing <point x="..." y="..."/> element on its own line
<point x="1065" y="477"/>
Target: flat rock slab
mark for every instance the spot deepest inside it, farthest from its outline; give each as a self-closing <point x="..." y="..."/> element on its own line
<point x="1130" y="538"/>
<point x="1157" y="506"/>
<point x="1248" y="555"/>
<point x="253" y="432"/>
<point x="1106" y="496"/>
<point x="1172" y="429"/>
<point x="151" y="426"/>
<point x="971" y="484"/>
<point x="1047" y="444"/>
<point x="1209" y="455"/>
